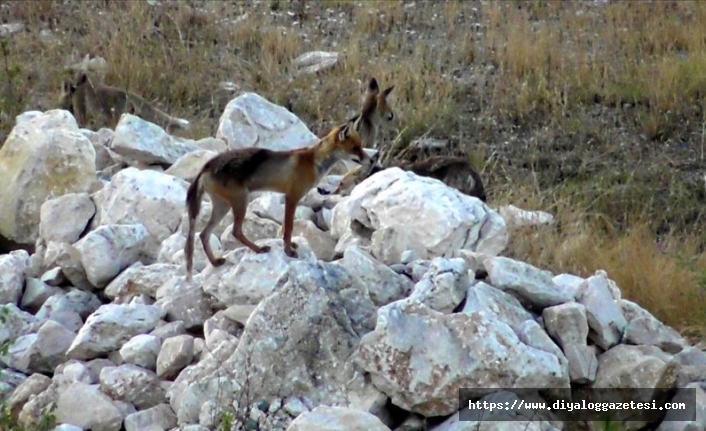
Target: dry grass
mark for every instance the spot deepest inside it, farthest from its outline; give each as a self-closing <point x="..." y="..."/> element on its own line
<point x="596" y="106"/>
<point x="666" y="275"/>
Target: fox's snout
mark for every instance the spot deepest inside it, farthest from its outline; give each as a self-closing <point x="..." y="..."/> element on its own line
<point x="361" y="157"/>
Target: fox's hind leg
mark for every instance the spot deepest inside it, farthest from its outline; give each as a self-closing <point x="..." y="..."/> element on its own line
<point x="219" y="208"/>
<point x="290" y="205"/>
<point x="239" y="203"/>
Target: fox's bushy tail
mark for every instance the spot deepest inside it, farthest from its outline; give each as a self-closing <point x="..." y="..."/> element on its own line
<point x="193" y="206"/>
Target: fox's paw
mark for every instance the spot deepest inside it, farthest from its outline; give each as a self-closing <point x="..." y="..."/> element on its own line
<point x="264" y="249"/>
<point x="291" y="252"/>
<point x="220" y="261"/>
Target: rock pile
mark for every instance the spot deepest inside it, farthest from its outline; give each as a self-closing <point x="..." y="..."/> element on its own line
<point x="399" y="298"/>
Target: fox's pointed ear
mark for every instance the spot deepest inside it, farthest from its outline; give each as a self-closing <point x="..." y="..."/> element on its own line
<point x="387" y="91"/>
<point x="374" y="158"/>
<point x="373" y="86"/>
<point x="343" y="133"/>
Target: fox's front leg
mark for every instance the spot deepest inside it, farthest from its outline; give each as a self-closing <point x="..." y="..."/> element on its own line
<point x="290" y="206"/>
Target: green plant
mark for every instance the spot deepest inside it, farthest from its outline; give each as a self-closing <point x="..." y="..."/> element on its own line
<point x="8" y="422"/>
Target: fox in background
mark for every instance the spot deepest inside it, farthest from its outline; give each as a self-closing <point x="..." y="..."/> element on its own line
<point x="455" y="172"/>
<point x="104" y="105"/>
<point x="229" y="178"/>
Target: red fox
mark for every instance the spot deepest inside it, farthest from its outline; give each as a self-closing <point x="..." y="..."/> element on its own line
<point x="374" y="110"/>
<point x="456" y="172"/>
<point x="229" y="177"/>
<point x="104" y="105"/>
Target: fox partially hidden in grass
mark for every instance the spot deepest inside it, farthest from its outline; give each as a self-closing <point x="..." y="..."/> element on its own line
<point x="374" y="111"/>
<point x="229" y="177"/>
<point x="456" y="172"/>
<point x="104" y="105"/>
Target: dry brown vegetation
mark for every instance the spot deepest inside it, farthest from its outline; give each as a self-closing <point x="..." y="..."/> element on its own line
<point x="590" y="110"/>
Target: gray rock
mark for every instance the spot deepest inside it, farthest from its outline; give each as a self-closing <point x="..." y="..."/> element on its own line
<point x="250" y="120"/>
<point x="152" y="199"/>
<point x="583" y="363"/>
<point x="567" y="323"/>
<point x="193" y="307"/>
<point x="605" y="319"/>
<point x="40" y="352"/>
<point x="482" y="297"/>
<point x="420" y="358"/>
<point x="170" y="329"/>
<point x="12" y="276"/>
<point x="142" y="350"/>
<point x="111" y="326"/>
<point x="326" y="418"/>
<point x="64" y="218"/>
<point x="146" y="278"/>
<point x="532" y="286"/>
<point x="650" y="331"/>
<point x="444" y="286"/>
<point x="141" y="141"/>
<point x="32" y="385"/>
<point x="296" y="342"/>
<point x="132" y="384"/>
<point x="161" y="416"/>
<point x="108" y="250"/>
<point x="248" y="277"/>
<point x="175" y="354"/>
<point x="36" y="292"/>
<point x="383" y="284"/>
<point x="29" y="160"/>
<point x="394" y="198"/>
<point x="16" y="323"/>
<point x="103" y="414"/>
<point x="320" y="242"/>
<point x="9" y="381"/>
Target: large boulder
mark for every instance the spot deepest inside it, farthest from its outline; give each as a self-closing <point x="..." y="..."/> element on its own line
<point x="420" y="358"/>
<point x="141" y="141"/>
<point x="64" y="219"/>
<point x="247" y="277"/>
<point x="297" y="342"/>
<point x="111" y="326"/>
<point x="250" y="120"/>
<point x="44" y="157"/>
<point x="403" y="211"/>
<point x="108" y="250"/>
<point x="152" y="198"/>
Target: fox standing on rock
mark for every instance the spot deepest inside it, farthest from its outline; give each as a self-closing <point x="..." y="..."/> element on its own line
<point x="229" y="178"/>
<point x="104" y="104"/>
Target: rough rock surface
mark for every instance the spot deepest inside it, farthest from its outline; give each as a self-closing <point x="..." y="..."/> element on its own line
<point x="420" y="357"/>
<point x="43" y="158"/>
<point x="399" y="297"/>
<point x="250" y="120"/>
<point x="389" y="203"/>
